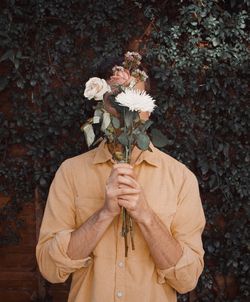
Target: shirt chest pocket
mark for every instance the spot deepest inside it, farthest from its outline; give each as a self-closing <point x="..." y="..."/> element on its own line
<point x="86" y="207"/>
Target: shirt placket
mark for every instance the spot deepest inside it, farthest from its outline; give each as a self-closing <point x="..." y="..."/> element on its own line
<point x="120" y="265"/>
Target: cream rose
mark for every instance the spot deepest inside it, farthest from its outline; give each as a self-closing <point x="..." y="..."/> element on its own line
<point x="95" y="88"/>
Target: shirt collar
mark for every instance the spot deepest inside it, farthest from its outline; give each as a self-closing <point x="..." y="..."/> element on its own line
<point x="103" y="155"/>
<point x="151" y="157"/>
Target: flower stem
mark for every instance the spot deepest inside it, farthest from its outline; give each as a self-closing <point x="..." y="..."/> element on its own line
<point x="125" y="230"/>
<point x="127" y="221"/>
<point x="131" y="230"/>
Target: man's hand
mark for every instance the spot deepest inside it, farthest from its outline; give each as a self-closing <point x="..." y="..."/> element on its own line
<point x="122" y="190"/>
<point x="120" y="187"/>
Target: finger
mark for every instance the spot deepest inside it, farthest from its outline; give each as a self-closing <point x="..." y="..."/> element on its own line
<point x="122" y="165"/>
<point x="119" y="171"/>
<point x="128" y="204"/>
<point x="128" y="181"/>
<point x="126" y="191"/>
<point x="128" y="197"/>
<point x="123" y="171"/>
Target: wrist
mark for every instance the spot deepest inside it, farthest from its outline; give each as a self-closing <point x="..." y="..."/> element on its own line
<point x="146" y="218"/>
<point x="107" y="214"/>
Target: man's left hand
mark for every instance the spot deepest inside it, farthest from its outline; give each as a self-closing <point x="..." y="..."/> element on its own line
<point x="135" y="204"/>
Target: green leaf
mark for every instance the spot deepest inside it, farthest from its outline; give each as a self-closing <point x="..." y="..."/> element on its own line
<point x="215" y="42"/>
<point x="142" y="141"/>
<point x="43" y="182"/>
<point x="158" y="138"/>
<point x="88" y="133"/>
<point x="115" y="122"/>
<point x="123" y="139"/>
<point x="3" y="83"/>
<point x="97" y="116"/>
<point x="105" y="121"/>
<point x="20" y="83"/>
<point x="146" y="125"/>
<point x="16" y="63"/>
<point x="19" y="54"/>
<point x="9" y="54"/>
<point x="129" y="116"/>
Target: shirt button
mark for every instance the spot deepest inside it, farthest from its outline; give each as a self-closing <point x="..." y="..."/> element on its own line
<point x="119" y="294"/>
<point x="120" y="264"/>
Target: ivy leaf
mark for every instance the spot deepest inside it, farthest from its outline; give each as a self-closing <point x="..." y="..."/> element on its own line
<point x="9" y="54"/>
<point x="142" y="141"/>
<point x="3" y="83"/>
<point x="215" y="41"/>
<point x="43" y="182"/>
<point x="20" y="83"/>
<point x="213" y="183"/>
<point x="16" y="63"/>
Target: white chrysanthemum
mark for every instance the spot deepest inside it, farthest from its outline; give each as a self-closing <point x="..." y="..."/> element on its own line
<point x="136" y="100"/>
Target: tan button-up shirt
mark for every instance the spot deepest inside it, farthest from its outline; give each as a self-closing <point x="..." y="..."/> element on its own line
<point x="77" y="192"/>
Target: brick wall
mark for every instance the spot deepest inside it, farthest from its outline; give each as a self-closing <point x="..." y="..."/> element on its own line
<point x="20" y="280"/>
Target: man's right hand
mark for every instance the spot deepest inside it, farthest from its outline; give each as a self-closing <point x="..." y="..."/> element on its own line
<point x="118" y="184"/>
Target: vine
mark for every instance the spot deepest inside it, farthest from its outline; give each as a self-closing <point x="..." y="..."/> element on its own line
<point x="198" y="58"/>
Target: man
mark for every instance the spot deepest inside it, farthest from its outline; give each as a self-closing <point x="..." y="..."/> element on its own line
<point x="81" y="228"/>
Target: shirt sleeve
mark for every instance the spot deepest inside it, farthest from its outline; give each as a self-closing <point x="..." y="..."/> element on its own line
<point x="57" y="225"/>
<point x="187" y="227"/>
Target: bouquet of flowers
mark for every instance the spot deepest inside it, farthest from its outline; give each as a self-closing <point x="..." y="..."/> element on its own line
<point x="119" y="108"/>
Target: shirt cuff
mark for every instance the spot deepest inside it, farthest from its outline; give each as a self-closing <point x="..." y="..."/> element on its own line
<point x="58" y="252"/>
<point x="180" y="271"/>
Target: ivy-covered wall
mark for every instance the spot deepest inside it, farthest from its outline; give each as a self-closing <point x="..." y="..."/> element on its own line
<point x="197" y="54"/>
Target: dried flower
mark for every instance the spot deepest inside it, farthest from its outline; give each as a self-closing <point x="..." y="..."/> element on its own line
<point x="132" y="60"/>
<point x="121" y="76"/>
<point x="117" y="68"/>
<point x="140" y="74"/>
<point x="132" y="55"/>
